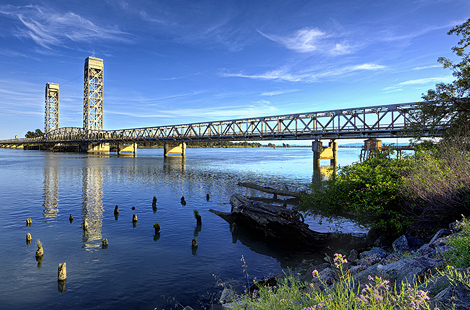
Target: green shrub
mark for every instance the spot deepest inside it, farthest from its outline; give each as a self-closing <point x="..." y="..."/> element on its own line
<point x="459" y="253"/>
<point x="369" y="191"/>
<point x="438" y="181"/>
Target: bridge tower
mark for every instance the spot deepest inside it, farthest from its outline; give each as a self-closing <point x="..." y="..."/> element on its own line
<point x="93" y="94"/>
<point x="93" y="103"/>
<point x="51" y="120"/>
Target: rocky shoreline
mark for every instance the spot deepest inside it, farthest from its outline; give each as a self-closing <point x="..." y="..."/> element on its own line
<point x="405" y="260"/>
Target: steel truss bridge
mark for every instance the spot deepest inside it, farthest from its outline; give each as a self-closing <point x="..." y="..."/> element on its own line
<point x="384" y="121"/>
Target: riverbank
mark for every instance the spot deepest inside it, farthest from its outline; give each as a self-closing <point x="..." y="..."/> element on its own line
<point x="383" y="272"/>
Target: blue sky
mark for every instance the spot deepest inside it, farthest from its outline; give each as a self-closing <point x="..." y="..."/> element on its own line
<point x="176" y="62"/>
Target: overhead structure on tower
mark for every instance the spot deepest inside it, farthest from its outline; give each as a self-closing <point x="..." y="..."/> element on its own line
<point x="93" y="95"/>
<point x="51" y="120"/>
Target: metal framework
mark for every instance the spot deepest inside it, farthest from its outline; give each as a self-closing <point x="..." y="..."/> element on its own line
<point x="93" y="94"/>
<point x="51" y="120"/>
<point x="386" y="121"/>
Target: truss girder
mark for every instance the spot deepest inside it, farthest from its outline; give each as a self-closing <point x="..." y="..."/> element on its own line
<point x="380" y="121"/>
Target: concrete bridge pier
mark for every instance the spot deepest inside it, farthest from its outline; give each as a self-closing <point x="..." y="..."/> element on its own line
<point x="179" y="149"/>
<point x="93" y="147"/>
<point x="123" y="149"/>
<point x="321" y="152"/>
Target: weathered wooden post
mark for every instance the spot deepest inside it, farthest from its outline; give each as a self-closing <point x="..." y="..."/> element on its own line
<point x="71" y="218"/>
<point x="154" y="204"/>
<point x="85" y="224"/>
<point x="207" y="197"/>
<point x="62" y="277"/>
<point x="197" y="216"/>
<point x="28" y="239"/>
<point x="28" y="221"/>
<point x="39" y="251"/>
<point x="104" y="243"/>
<point x="116" y="212"/>
<point x="62" y="272"/>
<point x="183" y="202"/>
<point x="157" y="228"/>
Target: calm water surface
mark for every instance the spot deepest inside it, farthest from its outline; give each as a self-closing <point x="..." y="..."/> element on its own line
<point x="137" y="270"/>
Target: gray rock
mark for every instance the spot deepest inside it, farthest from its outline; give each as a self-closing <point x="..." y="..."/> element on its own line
<point x="369" y="260"/>
<point x="363" y="276"/>
<point x="381" y="252"/>
<point x="328" y="276"/>
<point x="426" y="250"/>
<point x="439" y="234"/>
<point x="401" y="244"/>
<point x="406" y="270"/>
<point x="381" y="241"/>
<point x="353" y="255"/>
<point x="435" y="285"/>
<point x="414" y="243"/>
<point x="228" y="295"/>
<point x="457" y="296"/>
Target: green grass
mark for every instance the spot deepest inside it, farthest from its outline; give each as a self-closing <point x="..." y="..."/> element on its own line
<point x="291" y="293"/>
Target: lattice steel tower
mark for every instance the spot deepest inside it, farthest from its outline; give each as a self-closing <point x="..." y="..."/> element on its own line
<point x="93" y="94"/>
<point x="51" y="120"/>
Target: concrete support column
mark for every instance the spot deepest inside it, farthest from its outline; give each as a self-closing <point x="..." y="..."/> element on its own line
<point x="179" y="149"/>
<point x="317" y="149"/>
<point x="94" y="147"/>
<point x="121" y="148"/>
<point x="334" y="147"/>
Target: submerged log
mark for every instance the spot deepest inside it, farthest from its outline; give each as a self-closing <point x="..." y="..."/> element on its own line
<point x="270" y="190"/>
<point x="274" y="222"/>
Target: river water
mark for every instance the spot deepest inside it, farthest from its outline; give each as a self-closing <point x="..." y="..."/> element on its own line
<point x="138" y="270"/>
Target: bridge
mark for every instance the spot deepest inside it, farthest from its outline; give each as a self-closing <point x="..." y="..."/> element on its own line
<point x="381" y="121"/>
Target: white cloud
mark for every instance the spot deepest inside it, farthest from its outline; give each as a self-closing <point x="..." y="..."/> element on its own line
<point x="432" y="80"/>
<point x="278" y="92"/>
<point x="49" y="28"/>
<point x="442" y="79"/>
<point x="309" y="40"/>
<point x="262" y="107"/>
<point x="306" y="76"/>
<point x="427" y="67"/>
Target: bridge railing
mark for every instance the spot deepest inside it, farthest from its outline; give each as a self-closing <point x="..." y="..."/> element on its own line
<point x="377" y="121"/>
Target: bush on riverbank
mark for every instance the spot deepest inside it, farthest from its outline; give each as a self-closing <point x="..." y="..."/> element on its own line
<point x="437" y="183"/>
<point x="369" y="191"/>
<point x="416" y="192"/>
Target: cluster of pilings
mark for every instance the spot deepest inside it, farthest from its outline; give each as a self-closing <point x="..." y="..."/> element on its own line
<point x="62" y="271"/>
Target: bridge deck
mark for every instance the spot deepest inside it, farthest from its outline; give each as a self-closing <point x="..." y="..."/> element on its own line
<point x="385" y="121"/>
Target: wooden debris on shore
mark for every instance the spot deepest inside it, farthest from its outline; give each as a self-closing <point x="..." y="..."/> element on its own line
<point x="274" y="222"/>
<point x="270" y="190"/>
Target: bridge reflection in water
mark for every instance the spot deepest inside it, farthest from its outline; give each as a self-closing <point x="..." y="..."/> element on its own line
<point x="51" y="190"/>
<point x="92" y="203"/>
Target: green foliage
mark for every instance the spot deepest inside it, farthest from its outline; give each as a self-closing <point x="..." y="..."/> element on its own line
<point x="35" y="134"/>
<point x="459" y="253"/>
<point x="448" y="103"/>
<point x="368" y="191"/>
<point x="292" y="294"/>
<point x="438" y="182"/>
<point x="156" y="225"/>
<point x="196" y="212"/>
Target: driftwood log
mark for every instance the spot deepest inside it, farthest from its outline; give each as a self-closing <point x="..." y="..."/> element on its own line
<point x="270" y="190"/>
<point x="276" y="223"/>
